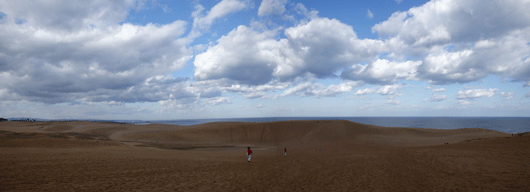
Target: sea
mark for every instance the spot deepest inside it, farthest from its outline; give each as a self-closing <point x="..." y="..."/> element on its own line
<point x="503" y="124"/>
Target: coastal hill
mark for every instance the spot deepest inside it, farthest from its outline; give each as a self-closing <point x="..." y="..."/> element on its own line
<point x="300" y="134"/>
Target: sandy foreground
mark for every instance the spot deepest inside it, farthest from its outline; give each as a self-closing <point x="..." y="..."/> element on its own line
<point x="322" y="156"/>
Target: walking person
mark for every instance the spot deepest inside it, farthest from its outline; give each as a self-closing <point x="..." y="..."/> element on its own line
<point x="249" y="152"/>
<point x="285" y="152"/>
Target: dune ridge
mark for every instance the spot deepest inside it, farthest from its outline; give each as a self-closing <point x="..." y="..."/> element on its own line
<point x="308" y="133"/>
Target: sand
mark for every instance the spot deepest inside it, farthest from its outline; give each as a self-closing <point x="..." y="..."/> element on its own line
<point x="322" y="156"/>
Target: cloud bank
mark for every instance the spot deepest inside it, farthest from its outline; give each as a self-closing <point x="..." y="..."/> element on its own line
<point x="86" y="52"/>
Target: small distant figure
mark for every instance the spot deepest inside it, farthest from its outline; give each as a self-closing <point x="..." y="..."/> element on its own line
<point x="285" y="152"/>
<point x="249" y="152"/>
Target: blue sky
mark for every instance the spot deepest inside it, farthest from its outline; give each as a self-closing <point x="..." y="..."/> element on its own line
<point x="157" y="60"/>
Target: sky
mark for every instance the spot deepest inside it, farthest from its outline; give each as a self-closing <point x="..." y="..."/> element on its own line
<point x="202" y="59"/>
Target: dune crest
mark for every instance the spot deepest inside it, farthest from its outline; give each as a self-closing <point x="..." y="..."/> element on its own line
<point x="308" y="133"/>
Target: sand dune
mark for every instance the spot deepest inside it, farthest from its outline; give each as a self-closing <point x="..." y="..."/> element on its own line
<point x="309" y="134"/>
<point x="322" y="156"/>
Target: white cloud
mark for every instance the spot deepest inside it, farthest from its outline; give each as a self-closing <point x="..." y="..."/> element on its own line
<point x="526" y="95"/>
<point x="258" y="106"/>
<point x="64" y="16"/>
<point x="382" y="71"/>
<point x="219" y="100"/>
<point x="436" y="97"/>
<point x="443" y="21"/>
<point x="254" y="95"/>
<point x="506" y="58"/>
<point x="268" y="7"/>
<point x="267" y="87"/>
<point x="256" y="58"/>
<point x="507" y="96"/>
<point x="319" y="90"/>
<point x="225" y="7"/>
<point x="441" y="49"/>
<point x="366" y="91"/>
<point x="393" y="102"/>
<point x="111" y="103"/>
<point x="166" y="9"/>
<point x="369" y="14"/>
<point x="302" y="10"/>
<point x="242" y="55"/>
<point x="252" y="92"/>
<point x="389" y="90"/>
<point x="178" y="103"/>
<point x="446" y="67"/>
<point x="476" y="93"/>
<point x="89" y="56"/>
<point x="447" y="107"/>
<point x="462" y="41"/>
<point x="327" y="45"/>
<point x="399" y="1"/>
<point x="464" y="102"/>
<point x="439" y="90"/>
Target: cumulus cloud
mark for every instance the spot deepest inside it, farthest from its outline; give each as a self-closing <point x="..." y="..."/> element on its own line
<point x="319" y="90"/>
<point x="63" y="16"/>
<point x="526" y="95"/>
<point x="443" y="21"/>
<point x="219" y="100"/>
<point x="389" y="90"/>
<point x="268" y="7"/>
<point x="437" y="41"/>
<point x="260" y="91"/>
<point x="302" y="10"/>
<point x="369" y="14"/>
<point x="320" y="47"/>
<point x="476" y="93"/>
<point x="507" y="58"/>
<point x="243" y="55"/>
<point x="382" y="71"/>
<point x="188" y="103"/>
<point x="507" y="96"/>
<point x="203" y="22"/>
<point x="327" y="45"/>
<point x="86" y="52"/>
<point x="464" y="97"/>
<point x="366" y="91"/>
<point x="462" y="41"/>
<point x="98" y="60"/>
<point x="464" y="102"/>
<point x="436" y="97"/>
<point x="220" y="10"/>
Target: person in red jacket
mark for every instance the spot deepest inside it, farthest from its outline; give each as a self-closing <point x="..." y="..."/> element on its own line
<point x="285" y="152"/>
<point x="249" y="152"/>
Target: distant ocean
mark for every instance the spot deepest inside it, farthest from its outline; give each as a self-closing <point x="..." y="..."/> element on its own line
<point x="502" y="124"/>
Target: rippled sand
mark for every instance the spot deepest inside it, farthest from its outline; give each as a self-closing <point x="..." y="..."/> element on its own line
<point x="322" y="156"/>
